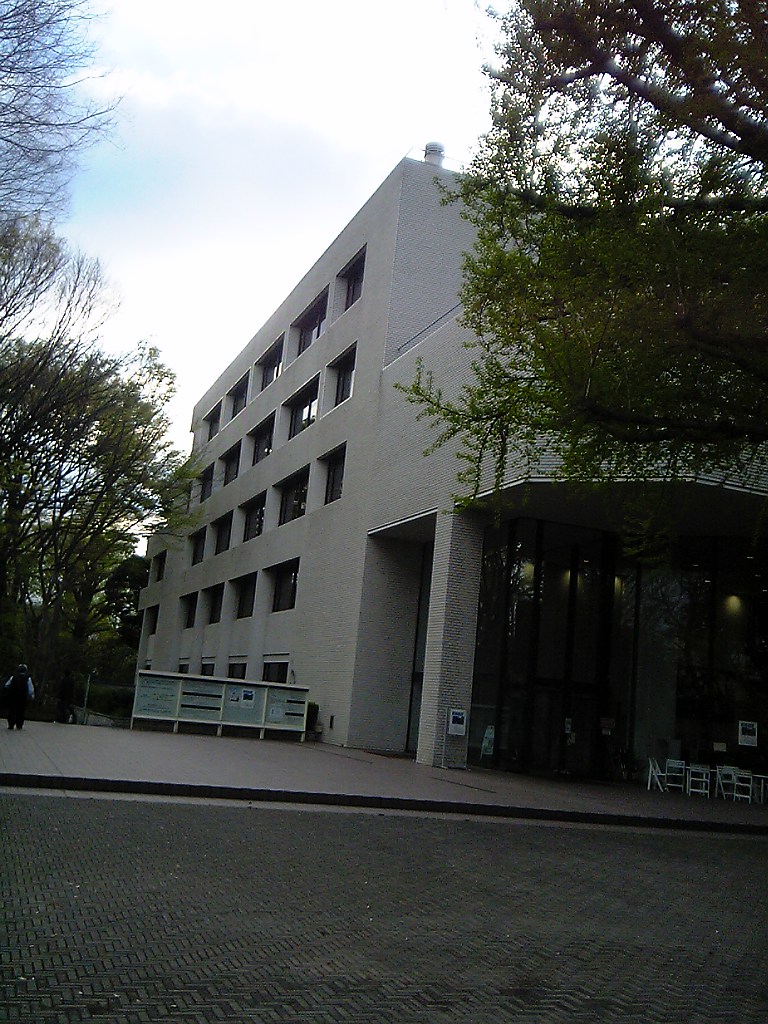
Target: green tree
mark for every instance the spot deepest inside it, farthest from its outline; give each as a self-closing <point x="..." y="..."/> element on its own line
<point x="101" y="619"/>
<point x="85" y="463"/>
<point x="619" y="284"/>
<point x="121" y="598"/>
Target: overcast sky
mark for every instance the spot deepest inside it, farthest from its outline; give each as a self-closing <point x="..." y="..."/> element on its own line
<point x="249" y="133"/>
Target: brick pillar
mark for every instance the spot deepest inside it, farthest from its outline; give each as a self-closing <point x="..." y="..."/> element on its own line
<point x="451" y="627"/>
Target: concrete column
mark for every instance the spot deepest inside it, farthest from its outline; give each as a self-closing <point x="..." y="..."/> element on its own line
<point x="451" y="628"/>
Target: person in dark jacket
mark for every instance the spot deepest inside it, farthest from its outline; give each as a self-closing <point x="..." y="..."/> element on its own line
<point x="19" y="690"/>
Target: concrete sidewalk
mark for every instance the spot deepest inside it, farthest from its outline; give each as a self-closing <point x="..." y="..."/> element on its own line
<point x="90" y="759"/>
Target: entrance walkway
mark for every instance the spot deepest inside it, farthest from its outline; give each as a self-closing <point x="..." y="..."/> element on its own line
<point x="90" y="759"/>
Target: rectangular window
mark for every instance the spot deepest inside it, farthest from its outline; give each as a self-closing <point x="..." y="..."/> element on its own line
<point x="335" y="477"/>
<point x="223" y="532"/>
<point x="231" y="463"/>
<point x="353" y="278"/>
<point x="238" y="396"/>
<point x="275" y="671"/>
<point x="293" y="496"/>
<point x="158" y="566"/>
<point x="188" y="610"/>
<point x="303" y="408"/>
<point x="236" y="669"/>
<point x="206" y="483"/>
<point x="344" y="369"/>
<point x="214" y="598"/>
<point x="271" y="364"/>
<point x="197" y="542"/>
<point x="253" y="511"/>
<point x="286" y="578"/>
<point x="213" y="422"/>
<point x="183" y="668"/>
<point x="245" y="588"/>
<point x="261" y="437"/>
<point x="207" y="667"/>
<point x="152" y="615"/>
<point x="312" y="324"/>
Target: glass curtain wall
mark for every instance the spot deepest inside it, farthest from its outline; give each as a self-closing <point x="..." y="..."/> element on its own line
<point x="587" y="665"/>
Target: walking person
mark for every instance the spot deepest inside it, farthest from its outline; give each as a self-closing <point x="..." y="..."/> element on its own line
<point x="19" y="690"/>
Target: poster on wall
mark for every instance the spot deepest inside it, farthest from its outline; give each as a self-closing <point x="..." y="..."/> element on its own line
<point x="747" y="734"/>
<point x="488" y="741"/>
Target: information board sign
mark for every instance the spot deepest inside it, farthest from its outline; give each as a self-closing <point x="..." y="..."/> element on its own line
<point x="285" y="707"/>
<point x="180" y="698"/>
<point x="243" y="705"/>
<point x="156" y="697"/>
<point x="201" y="701"/>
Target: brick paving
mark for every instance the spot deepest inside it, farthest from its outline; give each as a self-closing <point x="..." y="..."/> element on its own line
<point x="131" y="911"/>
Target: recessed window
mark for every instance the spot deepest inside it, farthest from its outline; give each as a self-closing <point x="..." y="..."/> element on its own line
<point x="188" y="610"/>
<point x="152" y="616"/>
<point x="293" y="496"/>
<point x="312" y="324"/>
<point x="261" y="438"/>
<point x="238" y="396"/>
<point x="335" y="478"/>
<point x="223" y="532"/>
<point x="245" y="588"/>
<point x="275" y="671"/>
<point x="158" y="566"/>
<point x="183" y="668"/>
<point x="213" y="422"/>
<point x="214" y="598"/>
<point x="303" y="408"/>
<point x="253" y="511"/>
<point x="207" y="668"/>
<point x="231" y="463"/>
<point x="271" y="364"/>
<point x="352" y="277"/>
<point x="286" y="578"/>
<point x="344" y="369"/>
<point x="206" y="483"/>
<point x="197" y="542"/>
<point x="236" y="669"/>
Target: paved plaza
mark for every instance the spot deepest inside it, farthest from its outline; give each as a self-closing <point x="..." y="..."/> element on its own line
<point x="132" y="910"/>
<point x="83" y="759"/>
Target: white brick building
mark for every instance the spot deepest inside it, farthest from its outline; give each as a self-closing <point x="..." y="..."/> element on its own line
<point x="325" y="551"/>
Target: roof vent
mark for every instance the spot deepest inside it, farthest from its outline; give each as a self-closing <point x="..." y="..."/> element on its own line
<point x="434" y="153"/>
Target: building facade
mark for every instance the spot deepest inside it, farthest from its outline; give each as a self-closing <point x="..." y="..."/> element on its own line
<point x="326" y="551"/>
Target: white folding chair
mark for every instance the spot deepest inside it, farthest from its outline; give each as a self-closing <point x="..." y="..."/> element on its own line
<point x="725" y="779"/>
<point x="698" y="779"/>
<point x="742" y="785"/>
<point x="674" y="772"/>
<point x="656" y="776"/>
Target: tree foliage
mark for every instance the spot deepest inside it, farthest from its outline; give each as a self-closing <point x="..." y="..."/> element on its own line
<point x="46" y="116"/>
<point x="85" y="462"/>
<point x="619" y="283"/>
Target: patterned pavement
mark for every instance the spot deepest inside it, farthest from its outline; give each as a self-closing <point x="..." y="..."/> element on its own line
<point x="129" y="911"/>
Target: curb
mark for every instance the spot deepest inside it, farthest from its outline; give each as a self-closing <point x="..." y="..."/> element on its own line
<point x="393" y="803"/>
